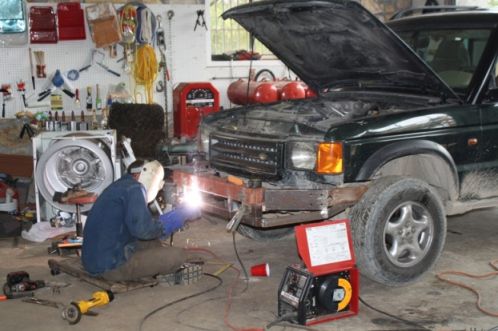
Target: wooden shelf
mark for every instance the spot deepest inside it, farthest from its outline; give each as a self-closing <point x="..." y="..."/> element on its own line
<point x="16" y="165"/>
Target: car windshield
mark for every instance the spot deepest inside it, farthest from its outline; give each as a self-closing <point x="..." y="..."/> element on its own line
<point x="453" y="54"/>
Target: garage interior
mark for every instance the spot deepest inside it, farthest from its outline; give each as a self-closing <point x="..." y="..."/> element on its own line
<point x="88" y="88"/>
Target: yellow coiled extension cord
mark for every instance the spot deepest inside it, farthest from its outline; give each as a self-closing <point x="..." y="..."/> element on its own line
<point x="146" y="69"/>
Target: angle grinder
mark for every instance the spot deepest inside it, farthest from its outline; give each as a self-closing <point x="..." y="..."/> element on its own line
<point x="75" y="310"/>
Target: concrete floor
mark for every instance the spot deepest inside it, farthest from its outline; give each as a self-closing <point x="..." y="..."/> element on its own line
<point x="471" y="244"/>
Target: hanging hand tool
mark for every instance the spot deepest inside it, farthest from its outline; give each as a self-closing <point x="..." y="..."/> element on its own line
<point x="77" y="102"/>
<point x="6" y="94"/>
<point x="98" y="100"/>
<point x="21" y="87"/>
<point x="89" y="100"/>
<point x="75" y="310"/>
<point x="200" y="20"/>
<point x="98" y="57"/>
<point x="57" y="82"/>
<point x="31" y="68"/>
<point x="106" y="68"/>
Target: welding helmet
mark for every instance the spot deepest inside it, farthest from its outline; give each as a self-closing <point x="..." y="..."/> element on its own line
<point x="151" y="177"/>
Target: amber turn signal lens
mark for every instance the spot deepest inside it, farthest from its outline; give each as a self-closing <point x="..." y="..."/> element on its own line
<point x="329" y="160"/>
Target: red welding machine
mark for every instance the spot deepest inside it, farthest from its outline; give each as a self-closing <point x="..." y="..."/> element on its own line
<point x="192" y="101"/>
<point x="326" y="287"/>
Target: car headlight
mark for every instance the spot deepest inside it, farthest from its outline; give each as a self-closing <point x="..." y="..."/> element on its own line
<point x="303" y="155"/>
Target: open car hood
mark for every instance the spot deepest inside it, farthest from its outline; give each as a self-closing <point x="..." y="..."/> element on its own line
<point x="334" y="44"/>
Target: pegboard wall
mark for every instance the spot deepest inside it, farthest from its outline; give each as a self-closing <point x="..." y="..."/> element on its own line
<point x="186" y="57"/>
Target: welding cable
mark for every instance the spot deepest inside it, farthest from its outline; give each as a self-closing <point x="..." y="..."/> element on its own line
<point x="169" y="304"/>
<point x="284" y="318"/>
<point x="419" y="326"/>
<point x="286" y="324"/>
<point x="244" y="270"/>
<point x="441" y="276"/>
<point x="181" y="312"/>
<point x="230" y="291"/>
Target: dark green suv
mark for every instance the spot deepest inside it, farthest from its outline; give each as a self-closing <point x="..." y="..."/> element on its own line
<point x="403" y="133"/>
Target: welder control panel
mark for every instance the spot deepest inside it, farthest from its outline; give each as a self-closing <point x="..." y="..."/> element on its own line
<point x="200" y="97"/>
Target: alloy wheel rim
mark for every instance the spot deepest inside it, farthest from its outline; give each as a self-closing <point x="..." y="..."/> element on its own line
<point x="408" y="234"/>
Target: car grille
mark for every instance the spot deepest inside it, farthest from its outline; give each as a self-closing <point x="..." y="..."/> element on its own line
<point x="248" y="157"/>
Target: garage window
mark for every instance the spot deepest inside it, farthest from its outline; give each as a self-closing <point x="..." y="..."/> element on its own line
<point x="230" y="41"/>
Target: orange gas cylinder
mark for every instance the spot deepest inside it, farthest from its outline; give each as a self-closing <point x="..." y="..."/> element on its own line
<point x="294" y="90"/>
<point x="259" y="92"/>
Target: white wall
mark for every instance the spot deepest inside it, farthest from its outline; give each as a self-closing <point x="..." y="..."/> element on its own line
<point x="188" y="60"/>
<point x="480" y="3"/>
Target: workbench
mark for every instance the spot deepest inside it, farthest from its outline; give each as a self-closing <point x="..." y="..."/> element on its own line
<point x="16" y="156"/>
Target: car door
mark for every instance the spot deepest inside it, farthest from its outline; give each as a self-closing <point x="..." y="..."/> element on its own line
<point x="487" y="178"/>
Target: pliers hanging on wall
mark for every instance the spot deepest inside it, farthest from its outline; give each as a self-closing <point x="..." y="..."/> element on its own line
<point x="200" y="20"/>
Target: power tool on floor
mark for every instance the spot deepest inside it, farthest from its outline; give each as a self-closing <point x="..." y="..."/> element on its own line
<point x="75" y="310"/>
<point x="19" y="285"/>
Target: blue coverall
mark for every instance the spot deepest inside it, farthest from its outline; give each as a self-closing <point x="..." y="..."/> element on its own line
<point x="119" y="226"/>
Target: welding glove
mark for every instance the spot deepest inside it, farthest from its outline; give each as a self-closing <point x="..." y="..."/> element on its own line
<point x="175" y="219"/>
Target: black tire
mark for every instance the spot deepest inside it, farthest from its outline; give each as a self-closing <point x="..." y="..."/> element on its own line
<point x="260" y="234"/>
<point x="387" y="252"/>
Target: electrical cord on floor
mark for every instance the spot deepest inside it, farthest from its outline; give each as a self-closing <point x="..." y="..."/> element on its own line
<point x="244" y="270"/>
<point x="230" y="290"/>
<point x="169" y="304"/>
<point x="493" y="264"/>
<point x="181" y="312"/>
<point x="419" y="326"/>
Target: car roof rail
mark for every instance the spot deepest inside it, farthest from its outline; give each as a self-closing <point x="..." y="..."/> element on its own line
<point x="412" y="10"/>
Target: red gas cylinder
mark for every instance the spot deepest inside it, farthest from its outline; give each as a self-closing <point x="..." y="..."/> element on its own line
<point x="293" y="91"/>
<point x="310" y="93"/>
<point x="259" y="92"/>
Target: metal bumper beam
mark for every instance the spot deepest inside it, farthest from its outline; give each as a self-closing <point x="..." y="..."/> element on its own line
<point x="270" y="207"/>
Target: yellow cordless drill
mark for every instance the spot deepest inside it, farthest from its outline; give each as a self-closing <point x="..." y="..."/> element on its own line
<point x="75" y="310"/>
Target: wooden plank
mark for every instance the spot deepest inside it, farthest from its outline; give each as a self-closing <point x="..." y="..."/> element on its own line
<point x="73" y="267"/>
<point x="16" y="165"/>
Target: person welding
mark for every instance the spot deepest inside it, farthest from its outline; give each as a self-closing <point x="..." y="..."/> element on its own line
<point x="121" y="237"/>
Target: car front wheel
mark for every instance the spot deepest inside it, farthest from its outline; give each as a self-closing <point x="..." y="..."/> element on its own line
<point x="399" y="230"/>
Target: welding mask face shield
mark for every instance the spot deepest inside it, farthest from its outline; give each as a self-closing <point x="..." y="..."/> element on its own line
<point x="151" y="177"/>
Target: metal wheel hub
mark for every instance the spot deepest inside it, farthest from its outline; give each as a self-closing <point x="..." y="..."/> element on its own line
<point x="408" y="234"/>
<point x="68" y="163"/>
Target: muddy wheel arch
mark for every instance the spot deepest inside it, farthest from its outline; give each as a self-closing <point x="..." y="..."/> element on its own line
<point x="424" y="160"/>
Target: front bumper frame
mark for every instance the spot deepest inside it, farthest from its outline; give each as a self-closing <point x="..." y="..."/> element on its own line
<point x="267" y="207"/>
